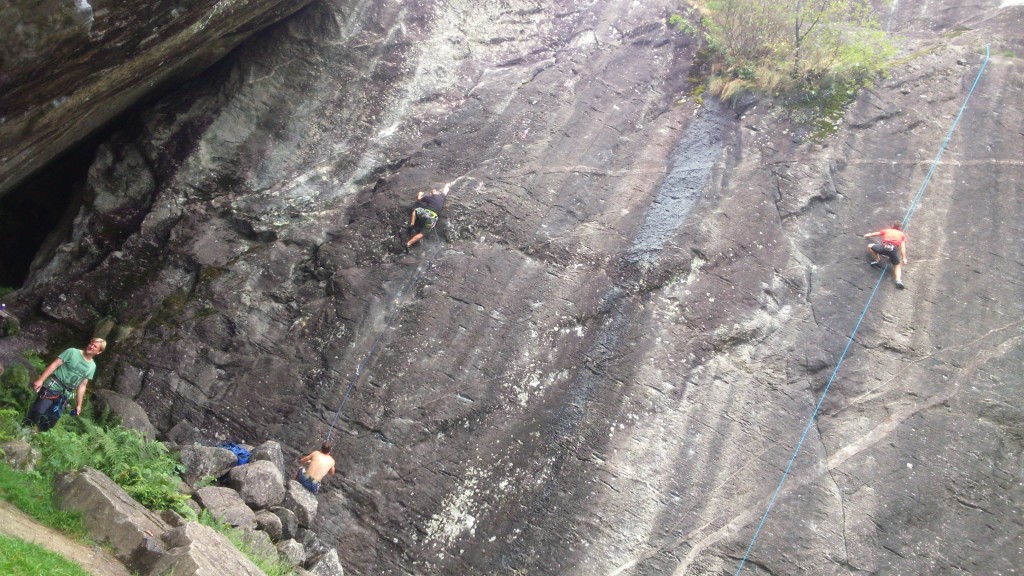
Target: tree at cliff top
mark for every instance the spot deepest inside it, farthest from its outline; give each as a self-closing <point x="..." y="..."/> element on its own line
<point x="789" y="46"/>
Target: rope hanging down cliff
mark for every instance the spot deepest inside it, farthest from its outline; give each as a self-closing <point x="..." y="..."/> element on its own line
<point x="411" y="280"/>
<point x="906" y="221"/>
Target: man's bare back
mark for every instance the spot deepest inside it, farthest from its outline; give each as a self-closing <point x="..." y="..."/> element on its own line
<point x="317" y="465"/>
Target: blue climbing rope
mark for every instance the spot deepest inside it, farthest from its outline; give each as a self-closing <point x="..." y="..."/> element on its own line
<point x="906" y="220"/>
<point x="931" y="170"/>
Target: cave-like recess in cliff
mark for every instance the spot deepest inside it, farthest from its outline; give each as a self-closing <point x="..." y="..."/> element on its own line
<point x="33" y="210"/>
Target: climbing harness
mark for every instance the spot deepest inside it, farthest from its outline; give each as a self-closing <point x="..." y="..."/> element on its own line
<point x="906" y="221"/>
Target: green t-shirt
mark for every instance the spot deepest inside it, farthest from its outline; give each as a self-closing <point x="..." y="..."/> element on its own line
<point x="74" y="369"/>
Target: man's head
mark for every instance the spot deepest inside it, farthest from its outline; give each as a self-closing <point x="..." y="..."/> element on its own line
<point x="97" y="345"/>
<point x="897" y="225"/>
<point x="325" y="448"/>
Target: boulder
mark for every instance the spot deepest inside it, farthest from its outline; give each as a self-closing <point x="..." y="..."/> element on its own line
<point x="197" y="550"/>
<point x="302" y="502"/>
<point x="289" y="522"/>
<point x="131" y="414"/>
<point x="292" y="551"/>
<point x="20" y="455"/>
<point x="172" y="518"/>
<point x="259" y="483"/>
<point x="260" y="542"/>
<point x="203" y="461"/>
<point x="270" y="523"/>
<point x="313" y="546"/>
<point x="328" y="565"/>
<point x="109" y="514"/>
<point x="227" y="506"/>
<point x="271" y="452"/>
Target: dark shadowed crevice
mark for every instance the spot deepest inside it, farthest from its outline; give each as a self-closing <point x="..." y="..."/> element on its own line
<point x="33" y="210"/>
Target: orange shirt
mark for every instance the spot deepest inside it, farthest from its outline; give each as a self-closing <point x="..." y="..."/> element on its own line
<point x="893" y="236"/>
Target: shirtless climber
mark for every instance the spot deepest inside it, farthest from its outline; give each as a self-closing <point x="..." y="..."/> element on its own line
<point x="315" y="466"/>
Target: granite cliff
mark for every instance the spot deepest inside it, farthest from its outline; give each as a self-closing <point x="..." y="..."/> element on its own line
<point x="603" y="359"/>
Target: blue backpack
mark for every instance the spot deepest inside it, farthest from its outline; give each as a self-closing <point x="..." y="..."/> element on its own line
<point x="241" y="453"/>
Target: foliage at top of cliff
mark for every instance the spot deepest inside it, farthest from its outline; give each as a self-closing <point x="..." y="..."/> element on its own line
<point x="804" y="48"/>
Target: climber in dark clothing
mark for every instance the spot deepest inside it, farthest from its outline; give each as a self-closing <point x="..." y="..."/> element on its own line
<point x="421" y="222"/>
<point x="425" y="215"/>
<point x="433" y="200"/>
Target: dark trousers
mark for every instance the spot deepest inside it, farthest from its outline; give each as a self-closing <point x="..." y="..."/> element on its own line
<point x="44" y="413"/>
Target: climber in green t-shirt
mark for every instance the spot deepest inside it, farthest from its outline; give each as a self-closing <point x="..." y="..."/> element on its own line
<point x="63" y="380"/>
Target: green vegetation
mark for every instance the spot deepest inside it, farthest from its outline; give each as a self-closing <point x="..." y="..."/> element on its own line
<point x="144" y="468"/>
<point x="32" y="494"/>
<point x="16" y="382"/>
<point x="20" y="558"/>
<point x="801" y="50"/>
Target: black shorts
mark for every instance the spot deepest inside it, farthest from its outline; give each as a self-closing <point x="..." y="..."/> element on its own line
<point x="892" y="252"/>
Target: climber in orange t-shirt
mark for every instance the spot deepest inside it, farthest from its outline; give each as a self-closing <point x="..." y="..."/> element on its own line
<point x="892" y="246"/>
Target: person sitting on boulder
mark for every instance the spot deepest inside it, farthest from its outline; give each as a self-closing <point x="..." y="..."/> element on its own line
<point x="63" y="380"/>
<point x="893" y="246"/>
<point x="315" y="466"/>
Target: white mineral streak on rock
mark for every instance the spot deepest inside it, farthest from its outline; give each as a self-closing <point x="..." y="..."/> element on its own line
<point x="459" y="511"/>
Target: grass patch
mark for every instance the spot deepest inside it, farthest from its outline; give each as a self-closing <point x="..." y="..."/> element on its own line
<point x="20" y="558"/>
<point x="32" y="493"/>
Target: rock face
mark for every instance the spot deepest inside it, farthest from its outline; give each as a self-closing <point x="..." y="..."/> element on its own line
<point x="605" y="355"/>
<point x="67" y="67"/>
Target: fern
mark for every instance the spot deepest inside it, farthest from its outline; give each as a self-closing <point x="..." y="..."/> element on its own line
<point x="10" y="424"/>
<point x="144" y="468"/>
